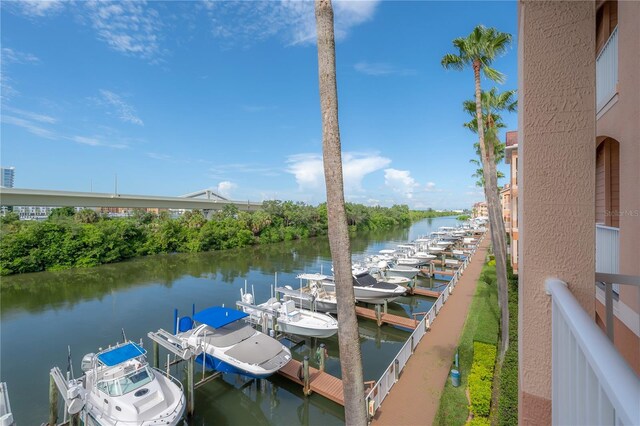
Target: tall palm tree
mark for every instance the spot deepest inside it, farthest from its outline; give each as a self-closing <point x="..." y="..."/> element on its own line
<point x="478" y="50"/>
<point x="493" y="103"/>
<point x="348" y="338"/>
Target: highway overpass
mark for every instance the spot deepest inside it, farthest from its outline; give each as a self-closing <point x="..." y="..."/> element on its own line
<point x="41" y="197"/>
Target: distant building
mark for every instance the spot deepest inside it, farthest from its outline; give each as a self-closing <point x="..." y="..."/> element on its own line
<point x="7" y="175"/>
<point x="480" y="209"/>
<point x="505" y="203"/>
<point x="511" y="158"/>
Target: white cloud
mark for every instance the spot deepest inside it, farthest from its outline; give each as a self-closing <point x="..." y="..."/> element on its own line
<point x="31" y="115"/>
<point x="124" y="111"/>
<point x="291" y="20"/>
<point x="37" y="8"/>
<point x="157" y="156"/>
<point x="309" y="171"/>
<point x="400" y="181"/>
<point x="225" y="187"/>
<point x="129" y="27"/>
<point x="29" y="126"/>
<point x="430" y="186"/>
<point x="381" y="69"/>
<point x="14" y="56"/>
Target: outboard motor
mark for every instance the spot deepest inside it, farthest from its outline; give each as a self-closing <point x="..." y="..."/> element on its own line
<point x="87" y="362"/>
<point x="247" y="298"/>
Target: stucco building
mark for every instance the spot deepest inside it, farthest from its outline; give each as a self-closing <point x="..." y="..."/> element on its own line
<point x="578" y="211"/>
<point x="511" y="158"/>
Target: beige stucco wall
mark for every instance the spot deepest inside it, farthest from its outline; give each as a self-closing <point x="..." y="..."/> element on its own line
<point x="556" y="130"/>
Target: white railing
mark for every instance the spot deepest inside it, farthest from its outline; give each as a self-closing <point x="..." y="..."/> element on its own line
<point x="607" y="71"/>
<point x="382" y="387"/>
<point x="591" y="382"/>
<point x="608" y="251"/>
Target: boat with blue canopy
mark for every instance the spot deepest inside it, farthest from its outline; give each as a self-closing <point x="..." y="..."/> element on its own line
<point x="228" y="344"/>
<point x="118" y="387"/>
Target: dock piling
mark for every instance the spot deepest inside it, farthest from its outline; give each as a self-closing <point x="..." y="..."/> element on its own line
<point x="305" y="374"/>
<point x="53" y="402"/>
<point x="156" y="354"/>
<point x="190" y="398"/>
<point x="323" y="356"/>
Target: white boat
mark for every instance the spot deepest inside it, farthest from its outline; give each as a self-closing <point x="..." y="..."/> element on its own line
<point x="6" y="416"/>
<point x="423" y="256"/>
<point x="402" y="271"/>
<point x="387" y="251"/>
<point x="410" y="261"/>
<point x="367" y="289"/>
<point x="231" y="345"/>
<point x="311" y="295"/>
<point x="120" y="388"/>
<point x="435" y="249"/>
<point x="289" y="318"/>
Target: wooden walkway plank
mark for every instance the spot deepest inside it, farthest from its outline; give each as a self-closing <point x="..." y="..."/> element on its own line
<point x="421" y="291"/>
<point x="320" y="382"/>
<point x="391" y="319"/>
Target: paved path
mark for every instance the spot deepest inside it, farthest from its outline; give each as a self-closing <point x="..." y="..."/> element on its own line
<point x="415" y="398"/>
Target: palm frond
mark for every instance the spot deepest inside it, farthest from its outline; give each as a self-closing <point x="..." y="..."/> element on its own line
<point x="453" y="62"/>
<point x="492" y="73"/>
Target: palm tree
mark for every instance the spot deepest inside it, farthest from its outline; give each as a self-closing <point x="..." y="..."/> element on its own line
<point x="492" y="103"/>
<point x="348" y="338"/>
<point x="478" y="50"/>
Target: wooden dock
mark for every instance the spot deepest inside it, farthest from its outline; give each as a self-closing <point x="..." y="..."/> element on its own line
<point x="320" y="382"/>
<point x="448" y="273"/>
<point x="421" y="291"/>
<point x="387" y="318"/>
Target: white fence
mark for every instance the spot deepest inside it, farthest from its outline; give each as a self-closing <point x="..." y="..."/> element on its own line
<point x="591" y="382"/>
<point x="607" y="71"/>
<point x="382" y="387"/>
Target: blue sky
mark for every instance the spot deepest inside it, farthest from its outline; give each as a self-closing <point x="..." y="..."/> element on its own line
<point x="175" y="97"/>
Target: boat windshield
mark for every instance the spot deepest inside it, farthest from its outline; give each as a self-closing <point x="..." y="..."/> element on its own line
<point x="127" y="383"/>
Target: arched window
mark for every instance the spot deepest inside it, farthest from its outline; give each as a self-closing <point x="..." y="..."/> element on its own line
<point x="608" y="183"/>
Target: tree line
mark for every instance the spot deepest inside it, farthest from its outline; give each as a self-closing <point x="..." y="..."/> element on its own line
<point x="69" y="239"/>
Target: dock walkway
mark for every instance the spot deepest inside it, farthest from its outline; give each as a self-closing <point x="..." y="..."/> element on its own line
<point x="320" y="382"/>
<point x="391" y="319"/>
<point x="424" y="376"/>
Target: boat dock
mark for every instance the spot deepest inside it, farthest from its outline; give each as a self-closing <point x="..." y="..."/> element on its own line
<point x="319" y="381"/>
<point x="421" y="291"/>
<point x="385" y="318"/>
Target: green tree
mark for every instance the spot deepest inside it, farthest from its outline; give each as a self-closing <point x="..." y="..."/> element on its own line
<point x="61" y="213"/>
<point x="493" y="103"/>
<point x="86" y="216"/>
<point x="478" y="50"/>
<point x="348" y="337"/>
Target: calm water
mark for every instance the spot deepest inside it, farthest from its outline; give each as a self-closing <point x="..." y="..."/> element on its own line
<point x="44" y="312"/>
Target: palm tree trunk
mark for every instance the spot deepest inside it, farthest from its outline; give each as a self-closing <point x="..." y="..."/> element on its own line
<point x="495" y="218"/>
<point x="348" y="337"/>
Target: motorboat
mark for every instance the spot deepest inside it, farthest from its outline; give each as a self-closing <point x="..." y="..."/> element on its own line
<point x="312" y="294"/>
<point x="230" y="344"/>
<point x="423" y="256"/>
<point x="286" y="317"/>
<point x="119" y="387"/>
<point x="367" y="289"/>
<point x="410" y="261"/>
<point x="395" y="270"/>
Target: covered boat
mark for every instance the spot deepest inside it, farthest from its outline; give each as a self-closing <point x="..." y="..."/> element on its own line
<point x="231" y="345"/>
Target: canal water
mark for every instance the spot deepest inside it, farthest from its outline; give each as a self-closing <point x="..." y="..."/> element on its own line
<point x="44" y="313"/>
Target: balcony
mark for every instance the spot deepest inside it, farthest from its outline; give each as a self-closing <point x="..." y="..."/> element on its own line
<point x="607" y="72"/>
<point x="591" y="382"/>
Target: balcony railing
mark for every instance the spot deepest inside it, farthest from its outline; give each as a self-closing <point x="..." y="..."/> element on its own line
<point x="591" y="382"/>
<point x="607" y="71"/>
<point x="608" y="251"/>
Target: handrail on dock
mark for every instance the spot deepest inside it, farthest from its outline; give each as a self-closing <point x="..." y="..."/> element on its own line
<point x="391" y="375"/>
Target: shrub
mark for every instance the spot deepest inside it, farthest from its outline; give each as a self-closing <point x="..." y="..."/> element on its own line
<point x="481" y="378"/>
<point x="479" y="421"/>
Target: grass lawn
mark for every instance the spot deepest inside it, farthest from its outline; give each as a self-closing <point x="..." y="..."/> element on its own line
<point x="481" y="325"/>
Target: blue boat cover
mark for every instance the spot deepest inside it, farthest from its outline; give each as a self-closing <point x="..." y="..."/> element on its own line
<point x="121" y="354"/>
<point x="217" y="316"/>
